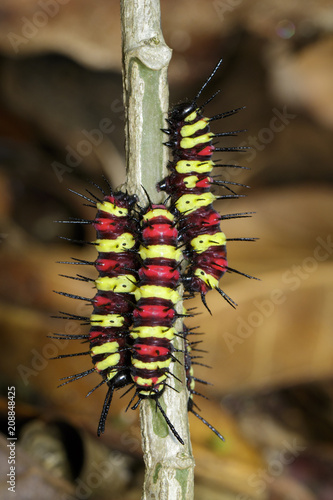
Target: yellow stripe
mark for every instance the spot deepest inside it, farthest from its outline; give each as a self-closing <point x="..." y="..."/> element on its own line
<point x="107" y="320"/>
<point x="107" y="347"/>
<point x="188" y="203"/>
<point x="160" y="332"/>
<point x="160" y="252"/>
<point x="190" y="142"/>
<point x="111" y="374"/>
<point x="192" y="116"/>
<point x="191" y="181"/>
<point x="120" y="244"/>
<point x="206" y="278"/>
<point x="158" y="212"/>
<point x="204" y="241"/>
<point x="124" y="283"/>
<point x="108" y="362"/>
<point x="188" y="166"/>
<point x="112" y="209"/>
<point x="188" y="130"/>
<point x="154" y="365"/>
<point x="161" y="292"/>
<point x="147" y="382"/>
<point x="192" y="384"/>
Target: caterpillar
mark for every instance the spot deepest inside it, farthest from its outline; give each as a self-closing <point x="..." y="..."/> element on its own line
<point x="117" y="264"/>
<point x="154" y="315"/>
<point x="189" y="185"/>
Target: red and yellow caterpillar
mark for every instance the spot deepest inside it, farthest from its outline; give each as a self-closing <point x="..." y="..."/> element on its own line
<point x="189" y="185"/>
<point x="117" y="264"/>
<point x="154" y="315"/>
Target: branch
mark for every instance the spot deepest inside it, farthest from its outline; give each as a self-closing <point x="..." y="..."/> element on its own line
<point x="145" y="64"/>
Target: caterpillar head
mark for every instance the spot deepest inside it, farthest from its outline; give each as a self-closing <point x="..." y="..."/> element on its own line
<point x="182" y="111"/>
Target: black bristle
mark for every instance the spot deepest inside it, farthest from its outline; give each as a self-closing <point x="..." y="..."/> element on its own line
<point x="83" y="196"/>
<point x="70" y="295"/>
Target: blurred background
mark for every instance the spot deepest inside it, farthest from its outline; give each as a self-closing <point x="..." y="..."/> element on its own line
<point x="61" y="126"/>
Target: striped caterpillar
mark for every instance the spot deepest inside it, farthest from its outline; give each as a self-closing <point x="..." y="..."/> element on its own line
<point x="154" y="315"/>
<point x="189" y="186"/>
<point x="117" y="264"/>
